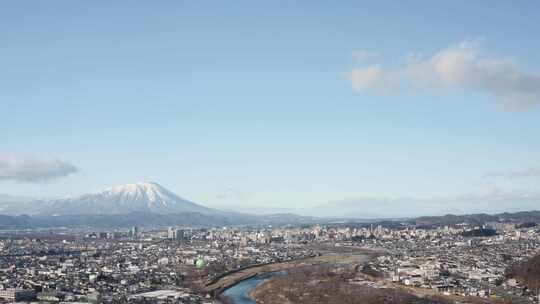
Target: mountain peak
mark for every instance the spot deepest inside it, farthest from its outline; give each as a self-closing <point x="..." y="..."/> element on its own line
<point x="146" y="197"/>
<point x="143" y="184"/>
<point x="152" y="194"/>
<point x="139" y="187"/>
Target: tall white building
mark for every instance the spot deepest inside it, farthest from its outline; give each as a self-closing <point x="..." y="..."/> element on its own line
<point x="175" y="234"/>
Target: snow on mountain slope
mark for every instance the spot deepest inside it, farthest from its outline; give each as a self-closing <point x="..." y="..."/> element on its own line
<point x="138" y="197"/>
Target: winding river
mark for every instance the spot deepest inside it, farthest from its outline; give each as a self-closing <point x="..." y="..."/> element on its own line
<point x="239" y="293"/>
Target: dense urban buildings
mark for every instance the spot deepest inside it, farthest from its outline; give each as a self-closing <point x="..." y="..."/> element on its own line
<point x="173" y="265"/>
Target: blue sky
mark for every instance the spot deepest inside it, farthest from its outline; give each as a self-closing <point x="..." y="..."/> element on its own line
<point x="286" y="104"/>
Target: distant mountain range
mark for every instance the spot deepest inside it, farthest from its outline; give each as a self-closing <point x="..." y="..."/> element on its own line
<point x="150" y="204"/>
<point x="143" y="203"/>
<point x="478" y="219"/>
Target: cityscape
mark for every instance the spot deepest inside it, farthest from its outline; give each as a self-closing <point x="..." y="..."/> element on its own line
<point x="451" y="259"/>
<point x="183" y="265"/>
<point x="269" y="152"/>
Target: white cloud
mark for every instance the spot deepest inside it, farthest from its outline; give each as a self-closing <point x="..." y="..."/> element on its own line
<point x="374" y="77"/>
<point x="458" y="67"/>
<point x="27" y="169"/>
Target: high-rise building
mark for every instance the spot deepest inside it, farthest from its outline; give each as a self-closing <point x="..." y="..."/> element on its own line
<point x="171" y="233"/>
<point x="175" y="234"/>
<point x="179" y="234"/>
<point x="134" y="232"/>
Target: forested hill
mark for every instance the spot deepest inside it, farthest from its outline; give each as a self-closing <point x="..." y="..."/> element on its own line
<point x="479" y="219"/>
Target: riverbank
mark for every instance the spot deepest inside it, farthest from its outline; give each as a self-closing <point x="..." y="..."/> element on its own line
<point x="241" y="292"/>
<point x="340" y="283"/>
<point x="359" y="256"/>
<point x="232" y="279"/>
<point x="330" y="283"/>
<point x="238" y="286"/>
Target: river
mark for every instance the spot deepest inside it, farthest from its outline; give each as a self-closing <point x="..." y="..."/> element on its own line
<point x="239" y="293"/>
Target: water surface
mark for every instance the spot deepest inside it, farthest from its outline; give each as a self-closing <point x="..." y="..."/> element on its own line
<point x="239" y="293"/>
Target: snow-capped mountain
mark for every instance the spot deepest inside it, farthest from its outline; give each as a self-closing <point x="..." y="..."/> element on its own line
<point x="146" y="197"/>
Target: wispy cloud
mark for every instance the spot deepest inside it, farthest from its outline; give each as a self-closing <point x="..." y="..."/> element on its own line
<point x="29" y="169"/>
<point x="516" y="173"/>
<point x="486" y="201"/>
<point x="463" y="66"/>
